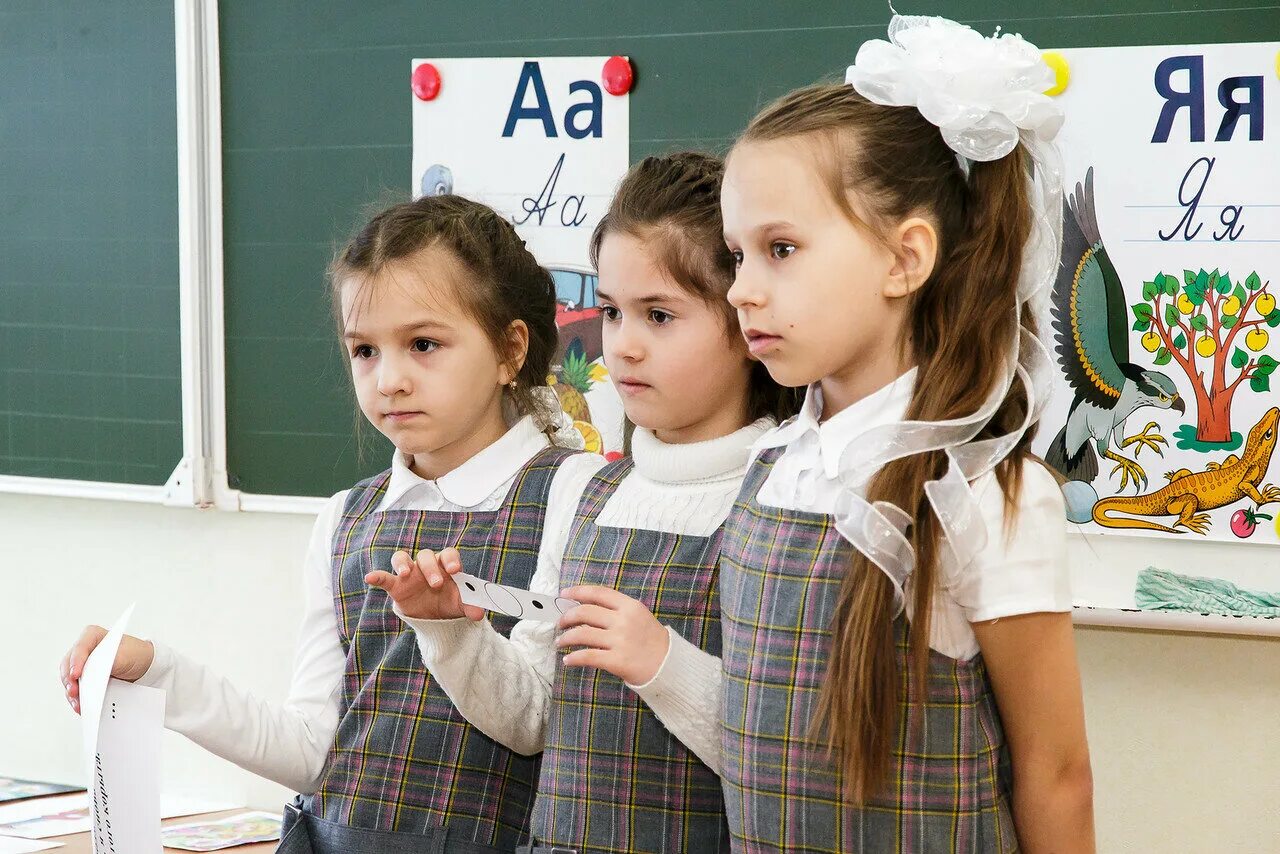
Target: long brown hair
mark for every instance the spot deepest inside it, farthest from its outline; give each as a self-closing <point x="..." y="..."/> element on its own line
<point x="960" y="328"/>
<point x="672" y="204"/>
<point x="505" y="282"/>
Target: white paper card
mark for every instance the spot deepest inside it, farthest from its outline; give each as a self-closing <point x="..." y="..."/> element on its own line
<point x="39" y="808"/>
<point x="512" y="601"/>
<point x="125" y="786"/>
<point x="93" y="684"/>
<point x="173" y="806"/>
<point x="123" y="723"/>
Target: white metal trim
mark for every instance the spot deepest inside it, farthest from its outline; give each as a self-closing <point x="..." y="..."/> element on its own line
<point x="200" y="478"/>
<point x="281" y="504"/>
<point x="224" y="497"/>
<point x="187" y="483"/>
<point x="57" y="487"/>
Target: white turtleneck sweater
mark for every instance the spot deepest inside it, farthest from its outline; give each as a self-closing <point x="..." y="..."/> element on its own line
<point x="503" y="686"/>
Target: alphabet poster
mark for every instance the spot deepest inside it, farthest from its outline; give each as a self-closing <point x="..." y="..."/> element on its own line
<point x="1163" y="320"/>
<point x="544" y="143"/>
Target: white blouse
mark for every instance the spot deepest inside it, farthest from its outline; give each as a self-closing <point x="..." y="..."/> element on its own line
<point x="1021" y="570"/>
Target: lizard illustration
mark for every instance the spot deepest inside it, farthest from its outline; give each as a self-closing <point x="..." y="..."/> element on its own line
<point x="1189" y="495"/>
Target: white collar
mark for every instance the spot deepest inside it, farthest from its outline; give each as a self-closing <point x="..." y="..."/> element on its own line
<point x="477" y="478"/>
<point x="883" y="406"/>
<point x="696" y="461"/>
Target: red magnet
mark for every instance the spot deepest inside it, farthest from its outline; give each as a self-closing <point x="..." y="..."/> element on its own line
<point x="426" y="82"/>
<point x="617" y="75"/>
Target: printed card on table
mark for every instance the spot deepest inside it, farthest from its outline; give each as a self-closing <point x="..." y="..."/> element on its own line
<point x="14" y="789"/>
<point x="228" y="832"/>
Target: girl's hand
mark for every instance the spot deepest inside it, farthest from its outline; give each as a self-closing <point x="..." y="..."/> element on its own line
<point x="424" y="588"/>
<point x="617" y="632"/>
<point x="133" y="658"/>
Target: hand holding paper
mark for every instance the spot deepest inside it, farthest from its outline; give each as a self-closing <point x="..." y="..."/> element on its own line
<point x="133" y="657"/>
<point x="616" y="633"/>
<point x="434" y="587"/>
<point x="424" y="589"/>
<point x="122" y="728"/>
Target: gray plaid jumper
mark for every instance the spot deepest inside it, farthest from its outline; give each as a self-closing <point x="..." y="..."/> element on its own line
<point x="403" y="759"/>
<point x="781" y="572"/>
<point x="614" y="779"/>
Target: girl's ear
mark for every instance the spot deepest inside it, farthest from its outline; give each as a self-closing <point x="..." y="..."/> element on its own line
<point x="516" y="349"/>
<point x="916" y="252"/>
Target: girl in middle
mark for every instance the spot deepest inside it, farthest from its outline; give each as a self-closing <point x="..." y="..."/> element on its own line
<point x="642" y="553"/>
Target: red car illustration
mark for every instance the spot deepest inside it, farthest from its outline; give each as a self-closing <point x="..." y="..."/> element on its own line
<point x="577" y="315"/>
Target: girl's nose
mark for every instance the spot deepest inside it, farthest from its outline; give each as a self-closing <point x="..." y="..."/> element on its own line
<point x="393" y="378"/>
<point x="625" y="343"/>
<point x="746" y="290"/>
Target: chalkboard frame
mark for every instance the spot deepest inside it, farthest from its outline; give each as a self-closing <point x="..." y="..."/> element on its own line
<point x="200" y="477"/>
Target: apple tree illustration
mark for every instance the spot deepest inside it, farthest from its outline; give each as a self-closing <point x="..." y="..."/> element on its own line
<point x="1204" y="323"/>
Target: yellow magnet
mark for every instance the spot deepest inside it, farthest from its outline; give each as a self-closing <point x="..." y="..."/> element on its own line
<point x="1061" y="71"/>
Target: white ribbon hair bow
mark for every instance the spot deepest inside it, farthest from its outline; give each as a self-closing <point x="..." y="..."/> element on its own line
<point x="554" y="421"/>
<point x="986" y="96"/>
<point x="979" y="91"/>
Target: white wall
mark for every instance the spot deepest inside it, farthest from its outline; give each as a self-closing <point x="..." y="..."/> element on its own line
<point x="1184" y="729"/>
<point x="221" y="587"/>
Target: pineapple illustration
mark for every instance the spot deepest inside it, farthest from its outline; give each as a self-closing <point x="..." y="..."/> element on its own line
<point x="576" y="378"/>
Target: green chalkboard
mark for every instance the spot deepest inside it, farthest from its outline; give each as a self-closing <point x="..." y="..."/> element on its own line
<point x="316" y="131"/>
<point x="89" y="356"/>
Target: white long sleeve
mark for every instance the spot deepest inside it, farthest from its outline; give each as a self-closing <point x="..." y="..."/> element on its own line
<point x="503" y="686"/>
<point x="288" y="742"/>
<point x="685" y="696"/>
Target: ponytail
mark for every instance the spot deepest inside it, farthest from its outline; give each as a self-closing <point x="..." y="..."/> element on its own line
<point x="961" y="328"/>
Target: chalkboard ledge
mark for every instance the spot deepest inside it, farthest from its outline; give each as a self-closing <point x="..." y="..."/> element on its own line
<point x="61" y="488"/>
<point x="1175" y="621"/>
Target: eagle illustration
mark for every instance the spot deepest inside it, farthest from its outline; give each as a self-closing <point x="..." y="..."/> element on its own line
<point x="1092" y="334"/>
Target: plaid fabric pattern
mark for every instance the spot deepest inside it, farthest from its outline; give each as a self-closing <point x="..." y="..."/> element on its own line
<point x="613" y="778"/>
<point x="949" y="789"/>
<point x="403" y="759"/>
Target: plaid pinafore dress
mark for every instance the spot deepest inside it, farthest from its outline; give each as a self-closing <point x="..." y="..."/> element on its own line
<point x="614" y="779"/>
<point x="406" y="772"/>
<point x="781" y="572"/>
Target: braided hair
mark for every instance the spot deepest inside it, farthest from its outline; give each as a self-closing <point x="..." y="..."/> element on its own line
<point x="505" y="281"/>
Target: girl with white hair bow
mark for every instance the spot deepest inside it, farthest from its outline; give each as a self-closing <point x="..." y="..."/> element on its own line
<point x="898" y="665"/>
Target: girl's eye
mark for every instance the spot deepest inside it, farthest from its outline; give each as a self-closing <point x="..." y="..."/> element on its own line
<point x="610" y="313"/>
<point x="781" y="249"/>
<point x="737" y="257"/>
<point x="362" y="351"/>
<point x="659" y="316"/>
<point x="424" y="345"/>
